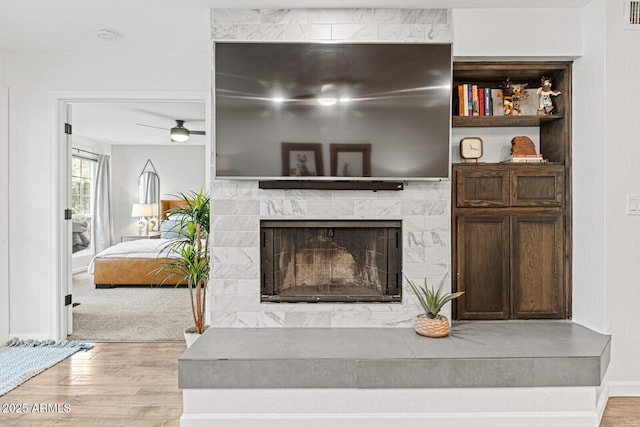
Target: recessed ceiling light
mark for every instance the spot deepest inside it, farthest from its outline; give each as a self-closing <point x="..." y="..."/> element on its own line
<point x="106" y="34"/>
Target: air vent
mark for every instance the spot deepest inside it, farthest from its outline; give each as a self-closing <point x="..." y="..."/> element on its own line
<point x="632" y="15"/>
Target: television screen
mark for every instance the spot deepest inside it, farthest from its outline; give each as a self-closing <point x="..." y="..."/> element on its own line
<point x="332" y="111"/>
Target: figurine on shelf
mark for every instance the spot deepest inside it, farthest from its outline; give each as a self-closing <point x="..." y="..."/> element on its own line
<point x="523" y="146"/>
<point x="545" y="106"/>
<point x="507" y="97"/>
<point x="519" y="94"/>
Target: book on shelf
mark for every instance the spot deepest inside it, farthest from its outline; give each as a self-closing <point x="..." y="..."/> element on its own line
<point x="527" y="158"/>
<point x="474" y="100"/>
<point x="488" y="102"/>
<point x="463" y="102"/>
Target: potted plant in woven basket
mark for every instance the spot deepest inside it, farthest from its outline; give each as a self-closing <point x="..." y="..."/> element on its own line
<point x="431" y="323"/>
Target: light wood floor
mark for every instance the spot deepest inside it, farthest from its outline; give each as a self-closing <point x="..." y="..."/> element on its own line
<point x="136" y="384"/>
<point x="622" y="412"/>
<point x="113" y="384"/>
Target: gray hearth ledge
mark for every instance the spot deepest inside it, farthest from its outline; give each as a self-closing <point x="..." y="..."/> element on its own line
<point x="476" y="354"/>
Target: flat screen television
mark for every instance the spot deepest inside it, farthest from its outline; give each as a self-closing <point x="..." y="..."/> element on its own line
<point x="332" y="111"/>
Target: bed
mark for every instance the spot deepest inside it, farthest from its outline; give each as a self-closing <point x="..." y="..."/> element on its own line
<point x="133" y="263"/>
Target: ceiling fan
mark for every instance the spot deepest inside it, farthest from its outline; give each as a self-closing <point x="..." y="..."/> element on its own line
<point x="178" y="133"/>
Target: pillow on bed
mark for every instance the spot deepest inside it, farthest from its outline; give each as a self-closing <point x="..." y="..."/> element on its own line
<point x="178" y="217"/>
<point x="170" y="229"/>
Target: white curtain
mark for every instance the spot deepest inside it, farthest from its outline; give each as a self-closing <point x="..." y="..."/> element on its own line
<point x="102" y="205"/>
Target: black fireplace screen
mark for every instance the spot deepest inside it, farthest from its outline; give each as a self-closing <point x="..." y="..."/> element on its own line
<point x="331" y="261"/>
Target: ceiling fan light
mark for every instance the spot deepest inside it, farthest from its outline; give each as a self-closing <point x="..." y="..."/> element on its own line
<point x="179" y="134"/>
<point x="327" y="101"/>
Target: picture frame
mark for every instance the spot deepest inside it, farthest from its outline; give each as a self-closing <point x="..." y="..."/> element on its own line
<point x="350" y="160"/>
<point x="302" y="159"/>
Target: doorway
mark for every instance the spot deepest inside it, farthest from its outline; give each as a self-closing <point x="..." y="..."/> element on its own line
<point x="87" y="109"/>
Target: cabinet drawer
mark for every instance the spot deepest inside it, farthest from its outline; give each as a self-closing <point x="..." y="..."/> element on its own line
<point x="482" y="188"/>
<point x="537" y="186"/>
<point x="503" y="186"/>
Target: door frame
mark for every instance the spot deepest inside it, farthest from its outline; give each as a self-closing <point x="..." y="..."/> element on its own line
<point x="60" y="253"/>
<point x="4" y="215"/>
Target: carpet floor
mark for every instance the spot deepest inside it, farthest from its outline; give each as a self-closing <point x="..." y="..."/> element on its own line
<point x="129" y="314"/>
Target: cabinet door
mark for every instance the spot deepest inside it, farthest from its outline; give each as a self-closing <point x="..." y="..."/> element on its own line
<point x="537" y="267"/>
<point x="482" y="267"/>
<point x="482" y="187"/>
<point x="537" y="186"/>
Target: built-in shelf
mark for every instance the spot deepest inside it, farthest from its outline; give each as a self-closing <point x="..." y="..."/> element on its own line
<point x="502" y="121"/>
<point x="488" y="164"/>
<point x="491" y="213"/>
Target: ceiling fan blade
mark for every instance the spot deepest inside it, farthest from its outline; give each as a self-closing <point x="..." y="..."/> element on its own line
<point x="151" y="112"/>
<point x="197" y="132"/>
<point x="151" y="126"/>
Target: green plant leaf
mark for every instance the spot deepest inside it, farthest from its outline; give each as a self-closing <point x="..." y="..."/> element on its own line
<point x="188" y="256"/>
<point x="431" y="299"/>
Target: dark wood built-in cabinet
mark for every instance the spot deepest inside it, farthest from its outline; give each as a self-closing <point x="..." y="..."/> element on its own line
<point x="509" y="228"/>
<point x="511" y="222"/>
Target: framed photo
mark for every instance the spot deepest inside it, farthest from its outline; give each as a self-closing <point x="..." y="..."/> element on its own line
<point x="350" y="160"/>
<point x="302" y="159"/>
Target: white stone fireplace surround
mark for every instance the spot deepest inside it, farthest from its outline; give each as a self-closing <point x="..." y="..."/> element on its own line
<point x="238" y="206"/>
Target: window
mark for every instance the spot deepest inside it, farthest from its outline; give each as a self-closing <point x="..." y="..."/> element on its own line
<point x="82" y="176"/>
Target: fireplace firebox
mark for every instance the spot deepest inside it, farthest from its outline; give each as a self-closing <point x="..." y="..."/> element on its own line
<point x="331" y="261"/>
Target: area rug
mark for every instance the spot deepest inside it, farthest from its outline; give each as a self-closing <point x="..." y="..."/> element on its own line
<point x="21" y="360"/>
<point x="129" y="314"/>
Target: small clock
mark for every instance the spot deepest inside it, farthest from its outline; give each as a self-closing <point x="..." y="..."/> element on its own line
<point x="471" y="149"/>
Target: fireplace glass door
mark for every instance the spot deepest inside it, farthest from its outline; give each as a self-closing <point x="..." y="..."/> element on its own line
<point x="331" y="261"/>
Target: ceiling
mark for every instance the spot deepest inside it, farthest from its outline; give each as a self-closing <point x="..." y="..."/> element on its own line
<point x="160" y="26"/>
<point x="119" y="122"/>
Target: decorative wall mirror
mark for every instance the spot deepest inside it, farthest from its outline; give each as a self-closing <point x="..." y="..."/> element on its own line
<point x="149" y="191"/>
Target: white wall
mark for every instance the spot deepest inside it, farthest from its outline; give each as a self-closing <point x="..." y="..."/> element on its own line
<point x="90" y="144"/>
<point x="621" y="159"/>
<point x="589" y="101"/>
<point x="516" y="32"/>
<point x="30" y="77"/>
<point x="4" y="204"/>
<point x="181" y="168"/>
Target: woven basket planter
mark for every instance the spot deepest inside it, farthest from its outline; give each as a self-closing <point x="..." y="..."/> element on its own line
<point x="435" y="328"/>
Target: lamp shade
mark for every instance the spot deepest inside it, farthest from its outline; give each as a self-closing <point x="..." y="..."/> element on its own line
<point x="142" y="209"/>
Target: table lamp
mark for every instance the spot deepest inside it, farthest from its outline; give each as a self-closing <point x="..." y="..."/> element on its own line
<point x="142" y="211"/>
